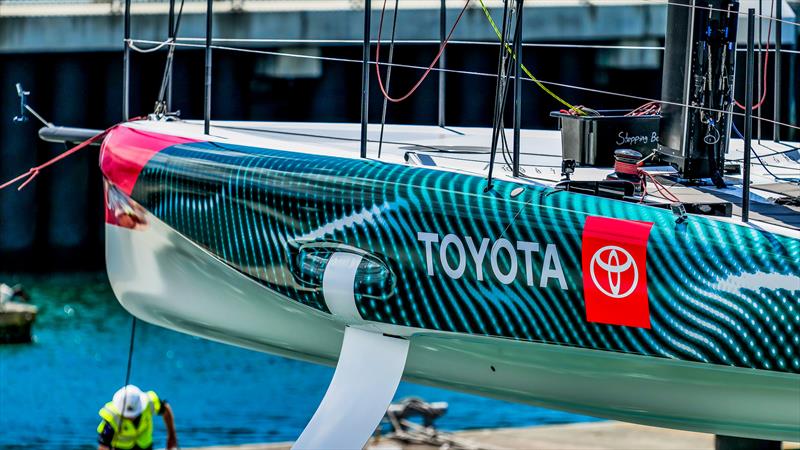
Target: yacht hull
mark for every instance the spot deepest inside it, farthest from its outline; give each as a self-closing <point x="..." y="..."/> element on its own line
<point x="522" y="293"/>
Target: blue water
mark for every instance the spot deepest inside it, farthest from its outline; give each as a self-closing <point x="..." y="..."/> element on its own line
<point x="50" y="391"/>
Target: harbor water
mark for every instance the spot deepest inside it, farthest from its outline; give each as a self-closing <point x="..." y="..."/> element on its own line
<point x="51" y="390"/>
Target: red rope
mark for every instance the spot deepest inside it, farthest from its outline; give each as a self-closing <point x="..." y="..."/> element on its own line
<point x="33" y="172"/>
<point x="636" y="169"/>
<point x="427" y="72"/>
<point x="627" y="168"/>
<point x="650" y="108"/>
<point x="573" y="112"/>
<point x="766" y="61"/>
<point x="660" y="187"/>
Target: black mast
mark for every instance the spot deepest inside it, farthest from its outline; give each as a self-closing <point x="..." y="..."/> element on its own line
<point x="126" y="63"/>
<point x="365" y="77"/>
<point x="207" y="93"/>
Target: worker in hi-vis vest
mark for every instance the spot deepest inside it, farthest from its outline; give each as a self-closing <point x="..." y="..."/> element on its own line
<point x="128" y="420"/>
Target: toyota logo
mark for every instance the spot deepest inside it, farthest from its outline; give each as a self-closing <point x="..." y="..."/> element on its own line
<point x="612" y="264"/>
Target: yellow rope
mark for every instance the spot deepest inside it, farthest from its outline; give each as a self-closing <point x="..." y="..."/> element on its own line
<point x="525" y="69"/>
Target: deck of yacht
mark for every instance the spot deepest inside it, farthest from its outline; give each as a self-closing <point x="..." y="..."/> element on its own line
<point x="467" y="150"/>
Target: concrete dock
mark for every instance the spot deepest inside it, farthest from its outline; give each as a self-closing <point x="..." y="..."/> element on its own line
<point x="578" y="436"/>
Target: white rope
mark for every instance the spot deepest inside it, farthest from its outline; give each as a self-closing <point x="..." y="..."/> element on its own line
<point x="147" y="50"/>
<point x="436" y="42"/>
<point x="709" y="8"/>
<point x="420" y="42"/>
<point x="467" y="72"/>
<point x="771" y="50"/>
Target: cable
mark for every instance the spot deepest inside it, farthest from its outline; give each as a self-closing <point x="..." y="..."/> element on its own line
<point x="766" y="62"/>
<point x="388" y="75"/>
<point x="431" y="41"/>
<point x="429" y="69"/>
<point x="127" y="373"/>
<point x="500" y="92"/>
<point x="424" y="42"/>
<point x="525" y="69"/>
<point x="666" y="193"/>
<point x="776" y="153"/>
<point x="635" y="169"/>
<point x="738" y="133"/>
<point x="474" y="73"/>
<point x="161" y="104"/>
<point x="146" y="50"/>
<point x="709" y="8"/>
<point x="33" y="172"/>
<point x="648" y="109"/>
<point x="130" y="353"/>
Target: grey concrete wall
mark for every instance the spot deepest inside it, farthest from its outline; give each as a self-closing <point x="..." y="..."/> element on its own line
<point x="542" y="24"/>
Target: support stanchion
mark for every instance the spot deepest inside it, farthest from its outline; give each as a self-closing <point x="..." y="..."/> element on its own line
<point x="760" y="67"/>
<point x="126" y="63"/>
<point x="517" y="89"/>
<point x="442" y="64"/>
<point x="776" y="129"/>
<point x="207" y="95"/>
<point x="748" y="114"/>
<point x="365" y="77"/>
<point x="171" y="36"/>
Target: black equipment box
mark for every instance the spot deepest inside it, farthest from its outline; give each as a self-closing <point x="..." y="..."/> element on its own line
<point x="697" y="86"/>
<point x="591" y="140"/>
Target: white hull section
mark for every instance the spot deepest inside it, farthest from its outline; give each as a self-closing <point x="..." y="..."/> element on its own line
<point x="163" y="278"/>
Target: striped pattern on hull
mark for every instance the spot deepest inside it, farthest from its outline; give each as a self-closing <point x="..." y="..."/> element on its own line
<point x="718" y="292"/>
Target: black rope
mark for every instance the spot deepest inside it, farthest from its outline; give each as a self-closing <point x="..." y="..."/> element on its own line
<point x="508" y="157"/>
<point x="505" y="148"/>
<point x="127" y="374"/>
<point x="162" y="92"/>
<point x="499" y="102"/>
<point x="388" y="76"/>
<point x="777" y="178"/>
<point x="130" y="351"/>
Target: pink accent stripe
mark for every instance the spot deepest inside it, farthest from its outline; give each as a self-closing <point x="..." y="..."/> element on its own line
<point x="125" y="152"/>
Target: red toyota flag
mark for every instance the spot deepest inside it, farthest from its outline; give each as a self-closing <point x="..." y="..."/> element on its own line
<point x="614" y="263"/>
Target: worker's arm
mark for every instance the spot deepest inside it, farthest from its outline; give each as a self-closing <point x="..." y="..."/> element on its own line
<point x="169" y="422"/>
<point x="105" y="436"/>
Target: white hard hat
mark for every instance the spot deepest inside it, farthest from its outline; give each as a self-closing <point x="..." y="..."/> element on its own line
<point x="131" y="401"/>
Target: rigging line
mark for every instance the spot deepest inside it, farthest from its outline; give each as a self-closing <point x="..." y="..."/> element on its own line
<point x="506" y="150"/>
<point x="127" y="372"/>
<point x="451" y="42"/>
<point x="770" y="50"/>
<point x="162" y="92"/>
<point x="764" y="70"/>
<point x="34" y="172"/>
<point x="773" y="165"/>
<point x="322" y="136"/>
<point x="736" y="130"/>
<point x="774" y="153"/>
<point x="481" y="74"/>
<point x="709" y="8"/>
<point x="130" y="352"/>
<point x="525" y="69"/>
<point x="430" y="68"/>
<point x="507" y="156"/>
<point x="664" y="102"/>
<point x="499" y="95"/>
<point x="425" y="42"/>
<point x="146" y="50"/>
<point x="388" y="74"/>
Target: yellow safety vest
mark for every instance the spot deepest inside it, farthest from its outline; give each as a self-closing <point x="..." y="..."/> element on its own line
<point x="130" y="435"/>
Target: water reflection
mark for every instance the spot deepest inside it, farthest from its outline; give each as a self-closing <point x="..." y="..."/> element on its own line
<point x="220" y="394"/>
